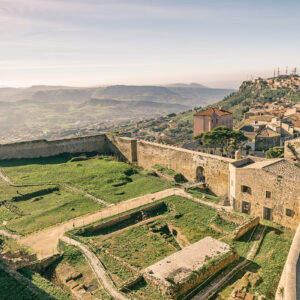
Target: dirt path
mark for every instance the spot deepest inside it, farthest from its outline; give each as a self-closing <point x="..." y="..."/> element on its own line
<point x="97" y="267"/>
<point x="10" y="235"/>
<point x="5" y="178"/>
<point x="221" y="280"/>
<point x="45" y="242"/>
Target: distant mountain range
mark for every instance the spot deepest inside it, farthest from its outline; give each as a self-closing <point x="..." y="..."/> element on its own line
<point x="54" y="111"/>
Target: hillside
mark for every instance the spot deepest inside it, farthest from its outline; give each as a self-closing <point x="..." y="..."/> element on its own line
<point x="258" y="91"/>
<point x="178" y="129"/>
<point x="58" y="111"/>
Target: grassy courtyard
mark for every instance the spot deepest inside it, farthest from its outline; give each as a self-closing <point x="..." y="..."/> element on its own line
<point x="140" y="243"/>
<point x="102" y="177"/>
<point x="33" y="208"/>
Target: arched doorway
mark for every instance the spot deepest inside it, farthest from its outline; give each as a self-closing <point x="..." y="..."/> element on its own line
<point x="200" y="174"/>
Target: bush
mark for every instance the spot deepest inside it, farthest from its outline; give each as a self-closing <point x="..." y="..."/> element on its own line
<point x="179" y="178"/>
<point x="276" y="152"/>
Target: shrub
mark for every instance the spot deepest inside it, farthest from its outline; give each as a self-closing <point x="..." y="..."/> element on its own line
<point x="275" y="152"/>
<point x="179" y="178"/>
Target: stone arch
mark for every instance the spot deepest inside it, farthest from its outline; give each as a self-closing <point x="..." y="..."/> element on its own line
<point x="200" y="174"/>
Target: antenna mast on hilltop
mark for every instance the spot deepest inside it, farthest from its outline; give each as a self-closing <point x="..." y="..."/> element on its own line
<point x="278" y="72"/>
<point x="274" y="74"/>
<point x="286" y="70"/>
<point x="294" y="71"/>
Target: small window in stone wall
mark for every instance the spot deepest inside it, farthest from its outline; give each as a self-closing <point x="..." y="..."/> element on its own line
<point x="246" y="189"/>
<point x="289" y="212"/>
<point x="268" y="194"/>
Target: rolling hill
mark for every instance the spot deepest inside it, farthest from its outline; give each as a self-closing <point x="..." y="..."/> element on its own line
<point x="58" y="111"/>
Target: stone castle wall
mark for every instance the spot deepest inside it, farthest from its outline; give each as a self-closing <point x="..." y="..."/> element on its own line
<point x="124" y="147"/>
<point x="215" y="168"/>
<point x="44" y="148"/>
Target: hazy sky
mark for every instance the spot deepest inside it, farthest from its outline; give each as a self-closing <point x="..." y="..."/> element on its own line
<point x="95" y="42"/>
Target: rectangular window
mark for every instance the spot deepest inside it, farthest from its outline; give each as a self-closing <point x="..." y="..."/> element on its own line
<point x="289" y="212"/>
<point x="268" y="194"/>
<point x="246" y="189"/>
<point x="245" y="207"/>
<point x="267" y="213"/>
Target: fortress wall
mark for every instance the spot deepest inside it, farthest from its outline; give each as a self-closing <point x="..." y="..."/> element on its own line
<point x="125" y="147"/>
<point x="44" y="148"/>
<point x="215" y="168"/>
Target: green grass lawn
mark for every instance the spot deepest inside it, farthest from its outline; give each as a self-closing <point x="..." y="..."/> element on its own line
<point x="45" y="285"/>
<point x="198" y="193"/>
<point x="164" y="170"/>
<point x="138" y="247"/>
<point x="104" y="178"/>
<point x="11" y="289"/>
<point x="44" y="211"/>
<point x="268" y="263"/>
<point x="33" y="208"/>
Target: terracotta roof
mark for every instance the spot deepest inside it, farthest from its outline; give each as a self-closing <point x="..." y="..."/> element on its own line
<point x="219" y="111"/>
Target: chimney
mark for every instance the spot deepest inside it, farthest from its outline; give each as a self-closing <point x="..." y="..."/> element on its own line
<point x="238" y="154"/>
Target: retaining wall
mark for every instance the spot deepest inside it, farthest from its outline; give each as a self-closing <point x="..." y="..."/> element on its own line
<point x="245" y="227"/>
<point x="121" y="219"/>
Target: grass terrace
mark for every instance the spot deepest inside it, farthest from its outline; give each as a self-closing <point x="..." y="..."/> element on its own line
<point x="32" y="208"/>
<point x="102" y="177"/>
<point x="203" y="194"/>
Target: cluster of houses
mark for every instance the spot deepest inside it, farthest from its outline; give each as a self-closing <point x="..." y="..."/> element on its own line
<point x="266" y="125"/>
<point x="283" y="81"/>
<point x="271" y="124"/>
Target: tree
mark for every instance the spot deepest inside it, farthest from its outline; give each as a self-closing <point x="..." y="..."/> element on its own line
<point x="237" y="139"/>
<point x="222" y="137"/>
<point x="276" y="152"/>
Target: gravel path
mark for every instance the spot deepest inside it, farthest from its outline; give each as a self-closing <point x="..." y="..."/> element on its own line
<point x="97" y="267"/>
